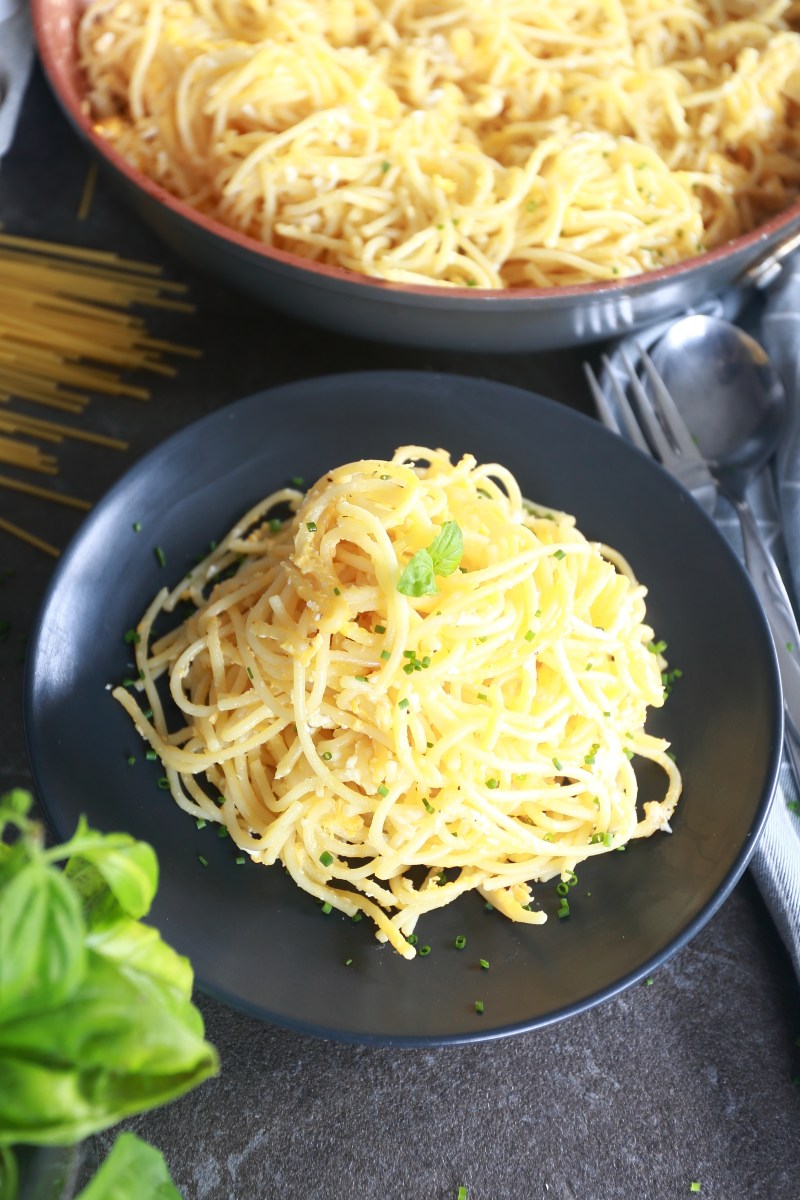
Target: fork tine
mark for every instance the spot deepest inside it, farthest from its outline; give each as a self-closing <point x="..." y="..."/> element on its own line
<point x="672" y="419"/>
<point x="663" y="446"/>
<point x="604" y="409"/>
<point x="632" y="428"/>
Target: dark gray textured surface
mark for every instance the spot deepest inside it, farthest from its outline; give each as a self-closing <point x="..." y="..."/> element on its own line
<point x="690" y="1078"/>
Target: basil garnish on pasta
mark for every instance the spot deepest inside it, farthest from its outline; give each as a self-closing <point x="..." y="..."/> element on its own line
<point x="442" y="557"/>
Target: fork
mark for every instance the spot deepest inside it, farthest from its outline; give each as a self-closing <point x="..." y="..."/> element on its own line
<point x="669" y="439"/>
<point x="660" y="431"/>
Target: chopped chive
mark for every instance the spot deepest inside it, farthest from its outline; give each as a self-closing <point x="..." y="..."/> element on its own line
<point x="492" y="784"/>
<point x="203" y="861"/>
<point x="163" y="783"/>
<point x="326" y="858"/>
<point x="408" y="668"/>
<point x="482" y="696"/>
<point x="383" y="791"/>
<point x="562" y="888"/>
<point x="488" y="906"/>
<point x="564" y="909"/>
<point x="380" y="629"/>
<point x="530" y="635"/>
<point x="348" y="962"/>
<point x="326" y="908"/>
<point x="412" y="939"/>
<point x="240" y="860"/>
<point x="297" y="481"/>
<point x="131" y="760"/>
<point x="479" y="1006"/>
<point x="151" y="755"/>
<point x="250" y="673"/>
<point x="385" y="655"/>
<point x="311" y="526"/>
<point x="137" y="526"/>
<point x="559" y="554"/>
<point x="694" y="1186"/>
<point x="460" y="942"/>
<point x="361" y="678"/>
<point x="326" y="756"/>
<point x="201" y="822"/>
<point x="275" y="524"/>
<point x="337" y="591"/>
<point x="462" y="1192"/>
<point x="409" y="654"/>
<point x="428" y="806"/>
<point x="132" y="638"/>
<point x="423" y="950"/>
<point x="160" y="556"/>
<point x="484" y="964"/>
<point x="357" y="916"/>
<point x="558" y="764"/>
<point x="223" y="831"/>
<point x="649" y="981"/>
<point x="402" y="703"/>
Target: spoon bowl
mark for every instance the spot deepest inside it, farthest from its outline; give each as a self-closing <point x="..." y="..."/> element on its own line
<point x="729" y="394"/>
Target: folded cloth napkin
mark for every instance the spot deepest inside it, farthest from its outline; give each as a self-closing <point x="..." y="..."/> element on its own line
<point x="775" y="500"/>
<point x="16" y="59"/>
<point x="776" y="862"/>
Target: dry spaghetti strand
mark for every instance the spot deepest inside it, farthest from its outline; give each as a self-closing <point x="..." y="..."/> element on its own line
<point x="68" y="330"/>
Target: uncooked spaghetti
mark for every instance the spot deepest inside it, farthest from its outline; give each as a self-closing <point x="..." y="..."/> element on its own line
<point x="411" y="688"/>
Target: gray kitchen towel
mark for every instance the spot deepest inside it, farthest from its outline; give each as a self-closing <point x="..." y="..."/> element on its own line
<point x="16" y="59"/>
<point x="776" y="863"/>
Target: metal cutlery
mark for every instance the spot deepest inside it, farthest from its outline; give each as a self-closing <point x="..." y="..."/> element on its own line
<point x="651" y="420"/>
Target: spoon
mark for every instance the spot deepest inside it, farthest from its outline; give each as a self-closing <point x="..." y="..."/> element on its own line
<point x="735" y="406"/>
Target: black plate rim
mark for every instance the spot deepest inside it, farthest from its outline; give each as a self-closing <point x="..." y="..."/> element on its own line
<point x="283" y="393"/>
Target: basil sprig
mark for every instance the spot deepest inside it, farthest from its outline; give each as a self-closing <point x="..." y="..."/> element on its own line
<point x="442" y="557"/>
<point x="96" y="1017"/>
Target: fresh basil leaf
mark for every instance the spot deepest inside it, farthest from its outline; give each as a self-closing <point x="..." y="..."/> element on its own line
<point x="139" y="947"/>
<point x="447" y="548"/>
<point x="417" y="578"/>
<point x="14" y="808"/>
<point x="132" y="1169"/>
<point x="125" y="866"/>
<point x="9" y="1174"/>
<point x="123" y="1042"/>
<point x="42" y="932"/>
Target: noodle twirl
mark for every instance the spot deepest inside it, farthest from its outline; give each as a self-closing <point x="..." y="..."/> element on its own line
<point x="413" y="687"/>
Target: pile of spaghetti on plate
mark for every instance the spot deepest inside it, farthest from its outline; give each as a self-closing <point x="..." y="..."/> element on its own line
<point x="406" y="684"/>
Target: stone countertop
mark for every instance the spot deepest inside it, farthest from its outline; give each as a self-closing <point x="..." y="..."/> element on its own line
<point x="689" y="1078"/>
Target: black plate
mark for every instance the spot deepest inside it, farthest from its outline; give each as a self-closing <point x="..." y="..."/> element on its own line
<point x="254" y="939"/>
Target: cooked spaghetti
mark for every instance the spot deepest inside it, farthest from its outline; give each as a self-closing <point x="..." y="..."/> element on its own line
<point x="485" y="143"/>
<point x="411" y="688"/>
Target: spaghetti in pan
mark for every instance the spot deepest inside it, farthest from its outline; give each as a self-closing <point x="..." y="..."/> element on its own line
<point x="455" y="142"/>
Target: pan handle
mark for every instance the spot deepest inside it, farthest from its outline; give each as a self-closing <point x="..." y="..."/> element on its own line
<point x="767" y="269"/>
